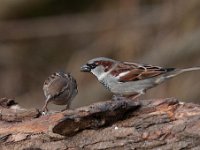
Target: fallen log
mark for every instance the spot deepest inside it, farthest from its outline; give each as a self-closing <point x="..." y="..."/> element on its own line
<point x="125" y="124"/>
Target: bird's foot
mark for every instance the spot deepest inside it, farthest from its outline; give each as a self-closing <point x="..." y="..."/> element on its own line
<point x="118" y="97"/>
<point x="44" y="113"/>
<point x="45" y="110"/>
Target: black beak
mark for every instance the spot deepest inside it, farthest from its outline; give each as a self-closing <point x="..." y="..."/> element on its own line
<point x="85" y="68"/>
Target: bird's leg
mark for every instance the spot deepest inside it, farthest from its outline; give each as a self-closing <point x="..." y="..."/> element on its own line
<point x="135" y="96"/>
<point x="67" y="107"/>
<point x="44" y="108"/>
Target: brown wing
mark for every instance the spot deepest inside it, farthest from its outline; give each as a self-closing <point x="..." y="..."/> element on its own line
<point x="138" y="71"/>
<point x="56" y="86"/>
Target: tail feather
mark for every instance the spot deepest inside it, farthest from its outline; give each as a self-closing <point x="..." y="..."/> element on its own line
<point x="191" y="69"/>
<point x="179" y="71"/>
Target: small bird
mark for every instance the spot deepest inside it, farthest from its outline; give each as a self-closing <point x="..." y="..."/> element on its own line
<point x="60" y="88"/>
<point x="129" y="79"/>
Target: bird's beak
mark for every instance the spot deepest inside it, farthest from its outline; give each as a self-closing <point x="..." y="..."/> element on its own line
<point x="85" y="68"/>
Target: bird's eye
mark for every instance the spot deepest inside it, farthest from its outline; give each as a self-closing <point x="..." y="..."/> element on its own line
<point x="92" y="66"/>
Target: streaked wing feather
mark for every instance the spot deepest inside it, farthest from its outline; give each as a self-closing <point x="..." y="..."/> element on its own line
<point x="138" y="71"/>
<point x="58" y="86"/>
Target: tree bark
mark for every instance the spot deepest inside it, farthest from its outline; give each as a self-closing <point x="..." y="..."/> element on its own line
<point x="125" y="124"/>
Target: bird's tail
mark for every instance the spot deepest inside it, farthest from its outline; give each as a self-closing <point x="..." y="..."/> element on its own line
<point x="179" y="71"/>
<point x="191" y="69"/>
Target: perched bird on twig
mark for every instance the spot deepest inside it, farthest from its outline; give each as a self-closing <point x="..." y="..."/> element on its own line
<point x="127" y="78"/>
<point x="60" y="88"/>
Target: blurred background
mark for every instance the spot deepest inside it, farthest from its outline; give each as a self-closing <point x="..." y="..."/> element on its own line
<point x="38" y="38"/>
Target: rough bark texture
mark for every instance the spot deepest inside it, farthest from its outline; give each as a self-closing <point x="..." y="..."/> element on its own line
<point x="148" y="124"/>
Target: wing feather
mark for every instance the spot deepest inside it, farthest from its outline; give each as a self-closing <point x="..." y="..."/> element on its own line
<point x="137" y="72"/>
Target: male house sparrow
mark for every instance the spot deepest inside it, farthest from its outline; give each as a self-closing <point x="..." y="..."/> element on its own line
<point x="60" y="88"/>
<point x="127" y="78"/>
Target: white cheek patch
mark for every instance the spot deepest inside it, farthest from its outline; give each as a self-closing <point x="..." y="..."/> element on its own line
<point x="100" y="74"/>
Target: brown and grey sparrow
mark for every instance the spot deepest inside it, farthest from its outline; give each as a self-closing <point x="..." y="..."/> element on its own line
<point x="127" y="78"/>
<point x="60" y="88"/>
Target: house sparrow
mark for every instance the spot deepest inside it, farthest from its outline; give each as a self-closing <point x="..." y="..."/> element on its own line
<point x="60" y="88"/>
<point x="129" y="79"/>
